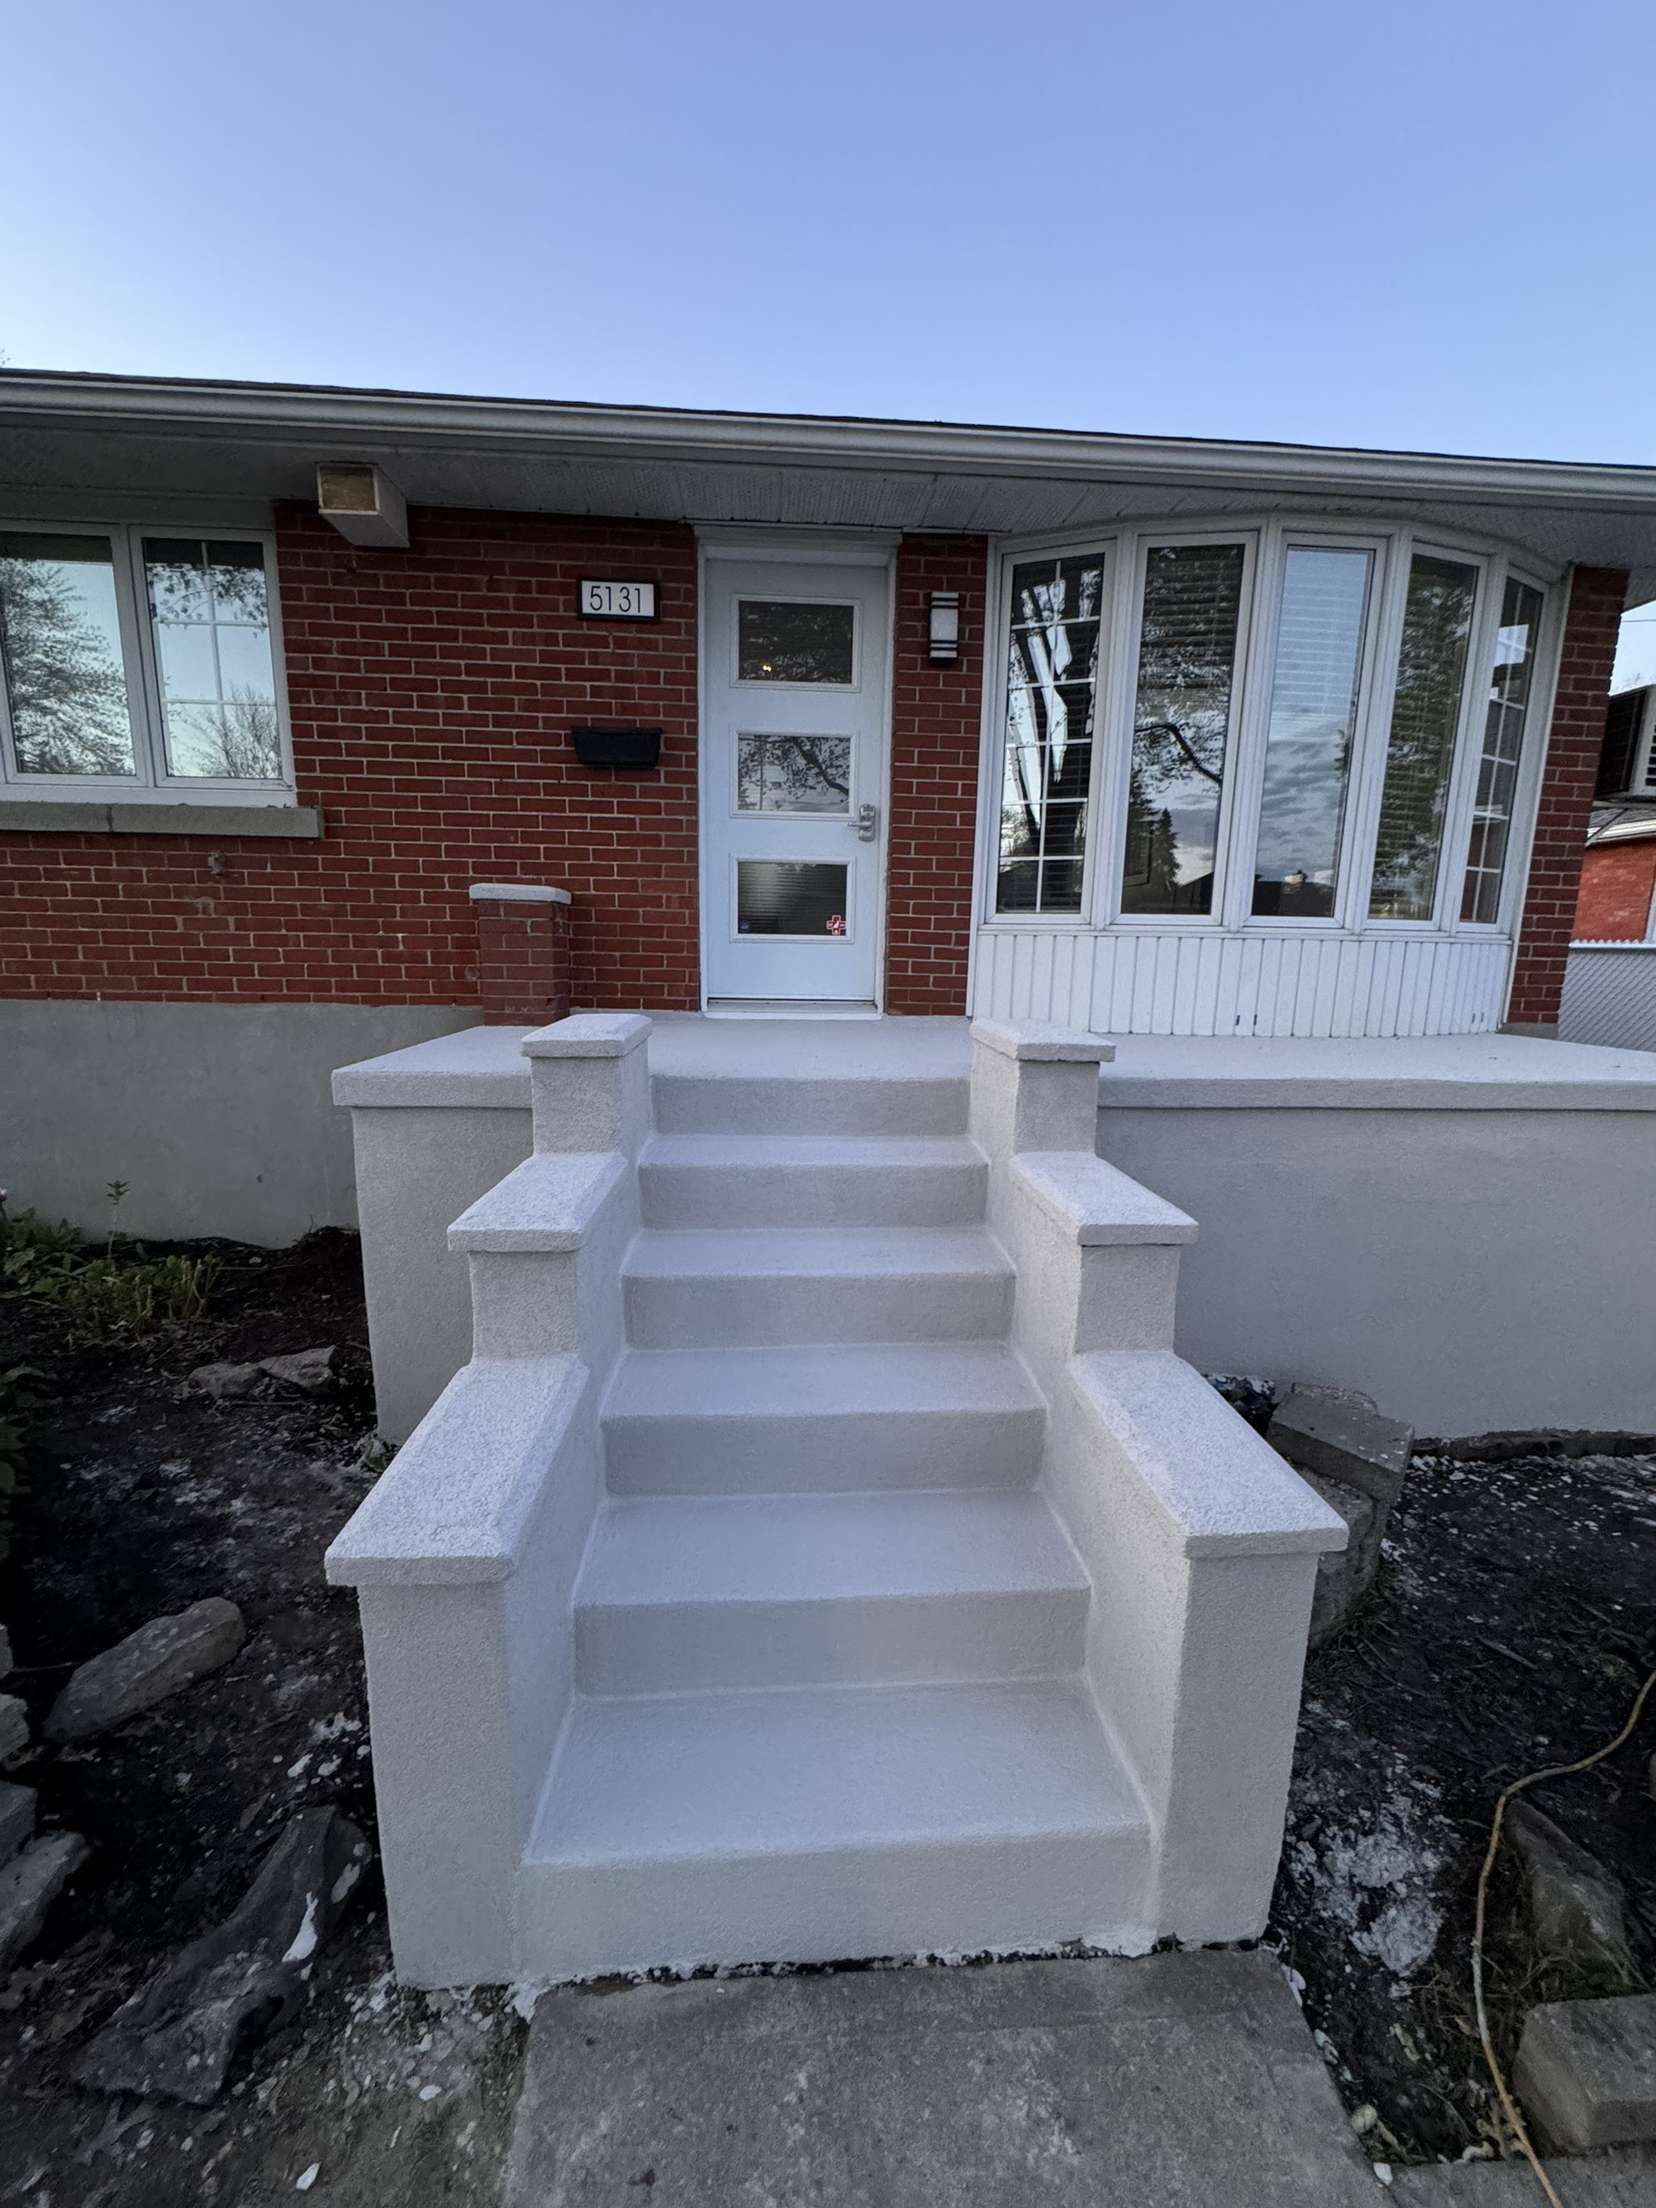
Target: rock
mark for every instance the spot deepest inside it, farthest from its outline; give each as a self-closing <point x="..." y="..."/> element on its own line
<point x="1338" y="1434"/>
<point x="224" y="1383"/>
<point x="1586" y="2070"/>
<point x="1344" y="1576"/>
<point x="310" y="1369"/>
<point x="30" y="1885"/>
<point x="1576" y="1908"/>
<point x="17" y="1818"/>
<point x="5" y="1652"/>
<point x="179" y="2036"/>
<point x="14" y="1725"/>
<point x="145" y="1668"/>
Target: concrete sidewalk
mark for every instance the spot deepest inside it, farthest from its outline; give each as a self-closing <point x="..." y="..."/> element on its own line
<point x="1179" y="2079"/>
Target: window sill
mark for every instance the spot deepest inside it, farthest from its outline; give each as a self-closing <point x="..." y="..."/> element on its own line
<point x="47" y="816"/>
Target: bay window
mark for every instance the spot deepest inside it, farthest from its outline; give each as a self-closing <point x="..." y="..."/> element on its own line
<point x="1264" y="729"/>
<point x="139" y="663"/>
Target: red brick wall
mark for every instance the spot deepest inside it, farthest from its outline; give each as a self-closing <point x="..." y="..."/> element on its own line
<point x="1618" y="881"/>
<point x="935" y="733"/>
<point x="522" y="961"/>
<point x="432" y="695"/>
<point x="1577" y="736"/>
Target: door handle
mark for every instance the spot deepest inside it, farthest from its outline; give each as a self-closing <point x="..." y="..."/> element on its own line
<point x="868" y="823"/>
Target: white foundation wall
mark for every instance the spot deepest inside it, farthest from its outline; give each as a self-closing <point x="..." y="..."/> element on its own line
<point x="1470" y="1268"/>
<point x="1145" y="981"/>
<point x="217" y="1116"/>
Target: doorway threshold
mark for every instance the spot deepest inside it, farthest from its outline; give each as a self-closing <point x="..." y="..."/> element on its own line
<point x="791" y="1008"/>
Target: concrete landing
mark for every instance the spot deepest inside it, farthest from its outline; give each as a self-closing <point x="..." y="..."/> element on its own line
<point x="1621" y="2177"/>
<point x="1178" y="2079"/>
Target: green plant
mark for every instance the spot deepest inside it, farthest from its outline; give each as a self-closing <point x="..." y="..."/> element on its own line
<point x="113" y="1299"/>
<point x="33" y="1248"/>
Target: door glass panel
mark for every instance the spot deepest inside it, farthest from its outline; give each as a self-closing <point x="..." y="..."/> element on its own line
<point x="790" y="897"/>
<point x="1051" y="681"/>
<point x="1181" y="725"/>
<point x="793" y="774"/>
<point x="1420" y="751"/>
<point x="212" y="644"/>
<point x="793" y="640"/>
<point x="60" y="655"/>
<point x="1319" y="649"/>
<point x="1509" y="697"/>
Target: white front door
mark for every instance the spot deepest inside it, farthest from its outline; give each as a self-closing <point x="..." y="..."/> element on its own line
<point x="794" y="772"/>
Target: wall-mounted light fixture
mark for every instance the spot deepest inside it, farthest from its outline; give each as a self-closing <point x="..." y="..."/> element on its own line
<point x="943" y="625"/>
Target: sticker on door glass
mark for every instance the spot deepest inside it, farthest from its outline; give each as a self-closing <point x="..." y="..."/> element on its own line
<point x="795" y="640"/>
<point x="790" y="897"/>
<point x="793" y="774"/>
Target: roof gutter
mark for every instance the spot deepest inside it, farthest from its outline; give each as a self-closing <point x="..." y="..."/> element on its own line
<point x="313" y="415"/>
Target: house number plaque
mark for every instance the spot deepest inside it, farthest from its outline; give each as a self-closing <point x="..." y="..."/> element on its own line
<point x="618" y="601"/>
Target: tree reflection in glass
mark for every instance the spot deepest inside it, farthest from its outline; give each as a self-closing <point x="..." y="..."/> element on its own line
<point x="1052" y="667"/>
<point x="1420" y="750"/>
<point x="1181" y="725"/>
<point x="61" y="658"/>
<point x="1319" y="649"/>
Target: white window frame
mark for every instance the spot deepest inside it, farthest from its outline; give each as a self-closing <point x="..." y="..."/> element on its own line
<point x="153" y="783"/>
<point x="1110" y="545"/>
<point x="1642" y="758"/>
<point x="1267" y="538"/>
<point x="1247" y="534"/>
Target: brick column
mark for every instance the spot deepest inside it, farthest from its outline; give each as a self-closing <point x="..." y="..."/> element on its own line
<point x="1574" y="742"/>
<point x="935" y="731"/>
<point x="522" y="952"/>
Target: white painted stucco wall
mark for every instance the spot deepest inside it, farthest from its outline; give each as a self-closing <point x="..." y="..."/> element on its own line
<point x="217" y="1116"/>
<point x="1466" y="1227"/>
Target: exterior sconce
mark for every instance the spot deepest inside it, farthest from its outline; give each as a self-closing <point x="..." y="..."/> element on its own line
<point x="943" y="626"/>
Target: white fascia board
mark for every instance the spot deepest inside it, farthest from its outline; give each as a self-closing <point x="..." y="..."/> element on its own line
<point x="286" y="411"/>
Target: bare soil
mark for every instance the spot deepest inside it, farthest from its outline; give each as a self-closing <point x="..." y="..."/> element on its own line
<point x="144" y="1497"/>
<point x="1514" y="1619"/>
<point x="1513" y="1623"/>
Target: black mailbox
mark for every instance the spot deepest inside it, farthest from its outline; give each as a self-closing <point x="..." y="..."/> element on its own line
<point x="636" y="748"/>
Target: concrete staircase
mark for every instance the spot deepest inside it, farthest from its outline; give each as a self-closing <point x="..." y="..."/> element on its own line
<point x="774" y="1363"/>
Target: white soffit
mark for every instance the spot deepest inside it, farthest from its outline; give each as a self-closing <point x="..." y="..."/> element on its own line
<point x="82" y="438"/>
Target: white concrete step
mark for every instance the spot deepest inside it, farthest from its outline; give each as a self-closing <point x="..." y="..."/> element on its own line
<point x="812" y="1181"/>
<point x="820" y="1103"/>
<point x="684" y="1592"/>
<point x="811" y="1824"/>
<point x="819" y="1420"/>
<point x="701" y="1290"/>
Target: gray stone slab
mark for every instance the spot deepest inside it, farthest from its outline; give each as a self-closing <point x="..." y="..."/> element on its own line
<point x="28" y="1887"/>
<point x="1623" y="2178"/>
<point x="14" y="1725"/>
<point x="1341" y="1436"/>
<point x="1586" y="2070"/>
<point x="145" y="1668"/>
<point x="1175" y="2079"/>
<point x="17" y="1818"/>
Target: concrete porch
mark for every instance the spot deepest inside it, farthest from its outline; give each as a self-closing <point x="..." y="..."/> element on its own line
<point x="1454" y="1223"/>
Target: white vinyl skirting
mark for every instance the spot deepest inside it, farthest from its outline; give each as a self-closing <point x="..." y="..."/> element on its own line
<point x="1145" y="982"/>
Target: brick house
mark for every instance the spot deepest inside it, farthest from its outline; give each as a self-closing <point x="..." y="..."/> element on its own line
<point x="1610" y="981"/>
<point x="811" y="1537"/>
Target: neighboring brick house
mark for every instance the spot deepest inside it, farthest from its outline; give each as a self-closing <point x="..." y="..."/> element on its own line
<point x="1277" y="741"/>
<point x="1610" y="982"/>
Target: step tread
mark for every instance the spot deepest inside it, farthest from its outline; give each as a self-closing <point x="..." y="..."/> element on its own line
<point x="841" y="1380"/>
<point x="674" y="1550"/>
<point x="812" y="1253"/>
<point x="769" y="1771"/>
<point x="812" y="1152"/>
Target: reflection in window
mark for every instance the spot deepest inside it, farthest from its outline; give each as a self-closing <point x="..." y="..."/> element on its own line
<point x="212" y="643"/>
<point x="793" y="774"/>
<point x="61" y="658"/>
<point x="1420" y="751"/>
<point x="1509" y="696"/>
<point x="1319" y="651"/>
<point x="787" y="897"/>
<point x="790" y="640"/>
<point x="1051" y="674"/>
<point x="1181" y="725"/>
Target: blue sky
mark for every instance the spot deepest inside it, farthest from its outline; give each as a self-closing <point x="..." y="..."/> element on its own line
<point x="1418" y="225"/>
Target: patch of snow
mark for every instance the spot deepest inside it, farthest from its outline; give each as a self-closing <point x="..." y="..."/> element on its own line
<point x="304" y="1940"/>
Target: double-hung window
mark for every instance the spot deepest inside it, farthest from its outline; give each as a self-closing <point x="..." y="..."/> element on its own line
<point x="139" y="663"/>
